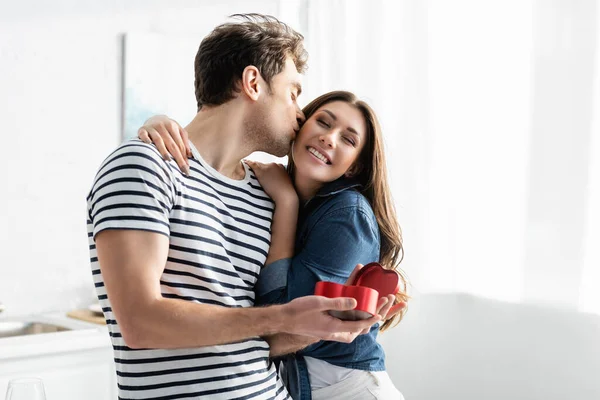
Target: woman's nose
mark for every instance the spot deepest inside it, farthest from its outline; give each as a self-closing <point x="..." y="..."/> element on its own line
<point x="327" y="140"/>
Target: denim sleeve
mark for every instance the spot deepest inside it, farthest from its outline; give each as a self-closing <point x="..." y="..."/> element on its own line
<point x="335" y="243"/>
<point x="272" y="282"/>
<point x="340" y="239"/>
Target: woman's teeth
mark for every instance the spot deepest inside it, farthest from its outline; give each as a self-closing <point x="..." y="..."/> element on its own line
<point x="318" y="155"/>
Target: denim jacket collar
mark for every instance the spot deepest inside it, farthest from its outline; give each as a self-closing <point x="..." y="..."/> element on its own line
<point x="337" y="186"/>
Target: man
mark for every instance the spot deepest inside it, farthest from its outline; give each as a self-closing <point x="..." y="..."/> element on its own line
<point x="175" y="256"/>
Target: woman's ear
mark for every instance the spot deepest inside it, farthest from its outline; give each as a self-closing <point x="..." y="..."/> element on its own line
<point x="251" y="82"/>
<point x="353" y="170"/>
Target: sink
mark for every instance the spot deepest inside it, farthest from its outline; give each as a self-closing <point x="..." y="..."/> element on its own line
<point x="23" y="328"/>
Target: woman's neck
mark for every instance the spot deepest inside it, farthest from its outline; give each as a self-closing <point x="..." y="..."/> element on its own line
<point x="305" y="187"/>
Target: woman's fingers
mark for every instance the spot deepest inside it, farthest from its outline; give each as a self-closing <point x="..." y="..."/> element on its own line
<point x="173" y="130"/>
<point x="354" y="273"/>
<point x="143" y="135"/>
<point x="257" y="168"/>
<point x="159" y="143"/>
<point x="386" y="306"/>
<point x="396" y="309"/>
<point x="383" y="301"/>
<point x="173" y="148"/>
<point x="186" y="141"/>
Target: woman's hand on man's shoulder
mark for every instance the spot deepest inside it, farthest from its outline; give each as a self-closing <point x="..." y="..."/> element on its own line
<point x="275" y="181"/>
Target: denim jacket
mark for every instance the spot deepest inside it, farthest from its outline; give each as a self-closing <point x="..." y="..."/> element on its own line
<point x="336" y="230"/>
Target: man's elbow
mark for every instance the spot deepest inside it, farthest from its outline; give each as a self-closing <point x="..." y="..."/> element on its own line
<point x="135" y="332"/>
<point x="134" y="339"/>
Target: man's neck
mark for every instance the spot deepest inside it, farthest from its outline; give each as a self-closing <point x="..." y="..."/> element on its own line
<point x="219" y="136"/>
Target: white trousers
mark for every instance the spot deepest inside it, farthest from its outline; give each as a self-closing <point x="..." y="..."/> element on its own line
<point x="360" y="385"/>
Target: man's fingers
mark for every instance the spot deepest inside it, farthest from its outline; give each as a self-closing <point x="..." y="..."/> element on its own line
<point x="351" y="329"/>
<point x="372" y="321"/>
<point x="338" y="304"/>
<point x="357" y="326"/>
<point x="343" y="337"/>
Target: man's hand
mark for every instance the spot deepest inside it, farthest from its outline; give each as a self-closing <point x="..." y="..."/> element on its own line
<point x="170" y="139"/>
<point x="309" y="316"/>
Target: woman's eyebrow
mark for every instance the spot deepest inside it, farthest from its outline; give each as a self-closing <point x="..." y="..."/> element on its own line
<point x="331" y="114"/>
<point x="349" y="129"/>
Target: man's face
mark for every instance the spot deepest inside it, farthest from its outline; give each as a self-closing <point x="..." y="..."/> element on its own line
<point x="278" y="112"/>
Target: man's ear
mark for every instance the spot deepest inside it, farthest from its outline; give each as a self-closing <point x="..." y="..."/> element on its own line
<point x="251" y="83"/>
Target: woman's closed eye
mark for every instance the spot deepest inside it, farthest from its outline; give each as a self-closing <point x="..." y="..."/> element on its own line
<point x="350" y="141"/>
<point x="323" y="123"/>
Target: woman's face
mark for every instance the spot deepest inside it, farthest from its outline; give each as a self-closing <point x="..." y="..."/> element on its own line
<point x="329" y="142"/>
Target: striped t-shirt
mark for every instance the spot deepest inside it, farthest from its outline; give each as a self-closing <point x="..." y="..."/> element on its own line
<point x="219" y="237"/>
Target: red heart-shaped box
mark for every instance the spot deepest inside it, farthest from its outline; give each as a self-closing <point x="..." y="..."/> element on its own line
<point x="372" y="282"/>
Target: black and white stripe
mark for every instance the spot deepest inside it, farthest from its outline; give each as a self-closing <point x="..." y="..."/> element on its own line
<point x="219" y="231"/>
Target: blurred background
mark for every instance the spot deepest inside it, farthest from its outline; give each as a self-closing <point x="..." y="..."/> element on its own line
<point x="491" y="116"/>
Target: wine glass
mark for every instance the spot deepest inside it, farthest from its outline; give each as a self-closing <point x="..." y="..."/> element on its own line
<point x="25" y="389"/>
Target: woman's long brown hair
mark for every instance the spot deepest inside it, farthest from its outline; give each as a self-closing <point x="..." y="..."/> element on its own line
<point x="371" y="171"/>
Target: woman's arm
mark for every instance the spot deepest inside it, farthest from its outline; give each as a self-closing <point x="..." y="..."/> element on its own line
<point x="277" y="184"/>
<point x="343" y="235"/>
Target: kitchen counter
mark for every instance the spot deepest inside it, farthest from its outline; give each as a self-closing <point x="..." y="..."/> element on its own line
<point x="81" y="336"/>
<point x="74" y="364"/>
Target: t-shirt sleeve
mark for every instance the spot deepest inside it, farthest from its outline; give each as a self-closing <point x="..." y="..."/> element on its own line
<point x="134" y="189"/>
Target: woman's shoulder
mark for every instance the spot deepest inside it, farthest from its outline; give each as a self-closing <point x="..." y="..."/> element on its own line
<point x="349" y="202"/>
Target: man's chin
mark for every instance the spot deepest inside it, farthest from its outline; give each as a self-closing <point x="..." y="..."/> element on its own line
<point x="280" y="151"/>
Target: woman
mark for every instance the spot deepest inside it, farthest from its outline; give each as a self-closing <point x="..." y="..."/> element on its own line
<point x="337" y="168"/>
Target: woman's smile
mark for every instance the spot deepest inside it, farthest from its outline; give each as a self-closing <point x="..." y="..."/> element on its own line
<point x="333" y="137"/>
<point x="319" y="155"/>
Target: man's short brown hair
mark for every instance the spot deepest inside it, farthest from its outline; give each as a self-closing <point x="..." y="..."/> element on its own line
<point x="258" y="40"/>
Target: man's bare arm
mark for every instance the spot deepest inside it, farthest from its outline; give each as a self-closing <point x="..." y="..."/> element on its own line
<point x="285" y="343"/>
<point x="132" y="262"/>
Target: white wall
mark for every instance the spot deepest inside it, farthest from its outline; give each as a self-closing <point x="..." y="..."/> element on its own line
<point x="60" y="115"/>
<point x="463" y="347"/>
